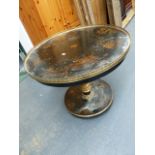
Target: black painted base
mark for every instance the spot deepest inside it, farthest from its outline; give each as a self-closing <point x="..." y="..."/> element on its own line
<point x="100" y="99"/>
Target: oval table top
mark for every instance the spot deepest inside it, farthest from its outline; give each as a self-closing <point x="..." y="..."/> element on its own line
<point x="77" y="54"/>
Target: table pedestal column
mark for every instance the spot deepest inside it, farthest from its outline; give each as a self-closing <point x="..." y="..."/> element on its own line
<point x="89" y="99"/>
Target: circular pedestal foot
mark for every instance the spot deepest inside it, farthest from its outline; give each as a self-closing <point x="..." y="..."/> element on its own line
<point x="98" y="101"/>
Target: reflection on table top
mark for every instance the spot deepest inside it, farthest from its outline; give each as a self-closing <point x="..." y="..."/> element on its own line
<point x="77" y="54"/>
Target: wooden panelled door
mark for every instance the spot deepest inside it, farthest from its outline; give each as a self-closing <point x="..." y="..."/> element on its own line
<point x="43" y="18"/>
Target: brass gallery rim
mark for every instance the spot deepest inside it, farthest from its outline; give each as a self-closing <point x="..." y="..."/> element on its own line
<point x="86" y="76"/>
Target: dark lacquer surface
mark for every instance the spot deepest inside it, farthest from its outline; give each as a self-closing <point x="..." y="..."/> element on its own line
<point x="77" y="54"/>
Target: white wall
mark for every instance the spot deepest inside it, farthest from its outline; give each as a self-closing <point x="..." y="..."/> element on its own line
<point x="24" y="38"/>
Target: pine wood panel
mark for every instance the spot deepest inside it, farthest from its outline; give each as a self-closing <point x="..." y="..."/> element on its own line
<point x="31" y="21"/>
<point x="49" y="17"/>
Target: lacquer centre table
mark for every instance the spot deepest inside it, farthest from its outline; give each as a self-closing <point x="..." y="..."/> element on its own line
<point x="79" y="58"/>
